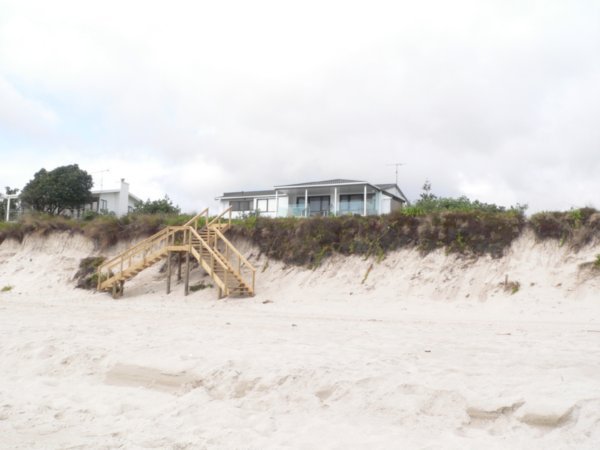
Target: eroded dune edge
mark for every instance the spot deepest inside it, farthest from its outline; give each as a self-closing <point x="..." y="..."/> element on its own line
<point x="438" y="351"/>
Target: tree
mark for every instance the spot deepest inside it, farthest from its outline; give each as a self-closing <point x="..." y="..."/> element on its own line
<point x="427" y="194"/>
<point x="163" y="206"/>
<point x="429" y="202"/>
<point x="64" y="188"/>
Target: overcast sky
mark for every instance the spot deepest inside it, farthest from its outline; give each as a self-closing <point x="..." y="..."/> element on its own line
<point x="497" y="100"/>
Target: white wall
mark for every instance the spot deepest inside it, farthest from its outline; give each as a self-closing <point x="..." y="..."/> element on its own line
<point x="123" y="199"/>
<point x="386" y="204"/>
<point x="112" y="201"/>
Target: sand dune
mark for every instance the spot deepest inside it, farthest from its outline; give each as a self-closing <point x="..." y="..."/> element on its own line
<point x="420" y="352"/>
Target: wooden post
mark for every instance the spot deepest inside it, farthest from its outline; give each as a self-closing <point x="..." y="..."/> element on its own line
<point x="187" y="273"/>
<point x="179" y="266"/>
<point x="168" y="272"/>
<point x="117" y="289"/>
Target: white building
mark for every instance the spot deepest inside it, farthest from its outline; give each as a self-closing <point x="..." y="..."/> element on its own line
<point x="118" y="201"/>
<point x="316" y="198"/>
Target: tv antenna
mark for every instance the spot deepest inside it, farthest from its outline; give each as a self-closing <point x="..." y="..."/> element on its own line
<point x="396" y="165"/>
<point x="101" y="176"/>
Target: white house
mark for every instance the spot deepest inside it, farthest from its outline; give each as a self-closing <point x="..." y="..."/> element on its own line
<point x="316" y="198"/>
<point x="118" y="201"/>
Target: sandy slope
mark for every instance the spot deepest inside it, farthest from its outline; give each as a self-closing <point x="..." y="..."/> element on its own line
<point x="426" y="353"/>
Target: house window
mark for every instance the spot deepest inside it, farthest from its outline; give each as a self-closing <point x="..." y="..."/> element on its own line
<point x="240" y="205"/>
<point x="317" y="205"/>
<point x="354" y="202"/>
<point x="103" y="205"/>
<point x="265" y="204"/>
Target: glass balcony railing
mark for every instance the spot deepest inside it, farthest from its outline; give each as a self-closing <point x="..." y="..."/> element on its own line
<point x="356" y="207"/>
<point x="344" y="208"/>
<point x="293" y="211"/>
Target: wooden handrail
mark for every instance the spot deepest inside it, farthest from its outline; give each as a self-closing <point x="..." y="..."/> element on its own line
<point x="209" y="248"/>
<point x="228" y="210"/>
<point x="196" y="218"/>
<point x="234" y="250"/>
<point x="242" y="261"/>
<point x="135" y="247"/>
<point x="142" y="245"/>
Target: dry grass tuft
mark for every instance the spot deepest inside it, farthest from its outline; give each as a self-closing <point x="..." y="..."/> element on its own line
<point x="578" y="227"/>
<point x="87" y="277"/>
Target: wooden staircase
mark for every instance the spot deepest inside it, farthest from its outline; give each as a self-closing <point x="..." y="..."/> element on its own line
<point x="200" y="238"/>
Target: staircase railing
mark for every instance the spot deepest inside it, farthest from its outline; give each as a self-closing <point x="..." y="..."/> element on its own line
<point x="207" y="254"/>
<point x="216" y="222"/>
<point x="193" y="222"/>
<point x="236" y="260"/>
<point x="139" y="254"/>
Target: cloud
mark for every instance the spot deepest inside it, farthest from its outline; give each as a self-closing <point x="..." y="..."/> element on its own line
<point x="496" y="100"/>
<point x="19" y="114"/>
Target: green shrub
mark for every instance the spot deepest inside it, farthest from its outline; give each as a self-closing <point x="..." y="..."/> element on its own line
<point x="87" y="276"/>
<point x="200" y="286"/>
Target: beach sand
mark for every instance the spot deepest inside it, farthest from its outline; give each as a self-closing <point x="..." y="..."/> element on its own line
<point x="420" y="352"/>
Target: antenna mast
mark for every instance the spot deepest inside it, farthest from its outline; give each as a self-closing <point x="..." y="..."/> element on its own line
<point x="396" y="165"/>
<point x="101" y="176"/>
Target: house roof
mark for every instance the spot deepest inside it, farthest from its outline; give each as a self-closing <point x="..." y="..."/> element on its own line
<point x="244" y="194"/>
<point x="336" y="181"/>
<point x="115" y="191"/>
<point x="386" y="185"/>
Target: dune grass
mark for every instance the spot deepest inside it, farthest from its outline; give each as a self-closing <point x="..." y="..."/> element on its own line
<point x="307" y="242"/>
<point x="461" y="228"/>
<point x="105" y="231"/>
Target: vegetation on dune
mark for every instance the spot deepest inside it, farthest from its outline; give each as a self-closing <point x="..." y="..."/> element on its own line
<point x="103" y="230"/>
<point x="307" y="242"/>
<point x="457" y="225"/>
<point x="200" y="286"/>
<point x="87" y="276"/>
<point x="576" y="227"/>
